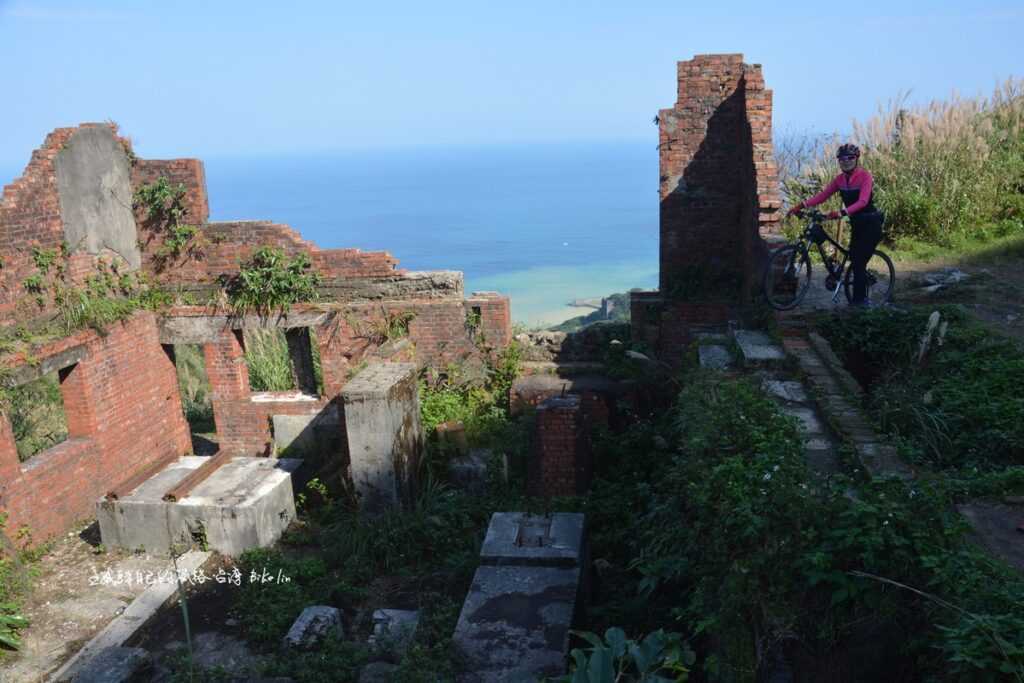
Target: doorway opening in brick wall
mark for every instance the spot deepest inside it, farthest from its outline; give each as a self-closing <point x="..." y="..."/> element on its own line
<point x="194" y="388"/>
<point x="283" y="361"/>
<point x="36" y="414"/>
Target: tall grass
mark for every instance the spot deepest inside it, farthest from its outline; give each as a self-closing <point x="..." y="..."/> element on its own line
<point x="949" y="171"/>
<point x="36" y="414"/>
<point x="194" y="387"/>
<point x="270" y="364"/>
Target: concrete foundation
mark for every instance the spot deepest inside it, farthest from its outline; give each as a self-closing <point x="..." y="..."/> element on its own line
<point x="246" y="503"/>
<point x="381" y="410"/>
<point x="515" y="622"/>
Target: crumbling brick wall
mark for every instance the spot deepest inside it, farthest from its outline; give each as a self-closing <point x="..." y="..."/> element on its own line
<point x="718" y="184"/>
<point x="107" y="444"/>
<point x="123" y="414"/>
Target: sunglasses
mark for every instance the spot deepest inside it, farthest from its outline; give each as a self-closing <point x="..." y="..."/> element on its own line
<point x="846" y="158"/>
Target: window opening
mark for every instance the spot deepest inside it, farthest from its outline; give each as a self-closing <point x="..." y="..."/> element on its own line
<point x="194" y="388"/>
<point x="37" y="417"/>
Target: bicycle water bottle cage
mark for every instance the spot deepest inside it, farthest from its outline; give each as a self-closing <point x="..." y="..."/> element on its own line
<point x="817" y="233"/>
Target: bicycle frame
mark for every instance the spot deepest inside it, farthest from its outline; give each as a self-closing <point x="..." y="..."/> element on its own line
<point x="835" y="272"/>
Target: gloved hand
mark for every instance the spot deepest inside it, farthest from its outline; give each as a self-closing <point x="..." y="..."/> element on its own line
<point x="795" y="210"/>
<point x="833" y="215"/>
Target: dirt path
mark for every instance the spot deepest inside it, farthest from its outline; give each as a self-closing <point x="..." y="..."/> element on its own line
<point x="70" y="601"/>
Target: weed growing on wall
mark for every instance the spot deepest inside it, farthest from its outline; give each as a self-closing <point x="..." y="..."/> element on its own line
<point x="164" y="205"/>
<point x="271" y="281"/>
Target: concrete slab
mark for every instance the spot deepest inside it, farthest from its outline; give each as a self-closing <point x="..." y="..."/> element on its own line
<point x="514" y="538"/>
<point x="313" y="625"/>
<point x="785" y="390"/>
<point x="514" y="625"/>
<point x="757" y="348"/>
<point x="381" y="411"/>
<point x="246" y="503"/>
<point x="809" y="422"/>
<point x="131" y="620"/>
<point x="714" y="357"/>
<point x="995" y="528"/>
<point x="95" y="191"/>
<point x="394" y="629"/>
<point x="115" y="665"/>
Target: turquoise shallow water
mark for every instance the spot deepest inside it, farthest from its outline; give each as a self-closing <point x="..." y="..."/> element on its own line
<point x="543" y="223"/>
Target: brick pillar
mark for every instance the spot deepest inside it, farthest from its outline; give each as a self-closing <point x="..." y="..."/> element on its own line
<point x="78" y="404"/>
<point x="718" y="179"/>
<point x="561" y="460"/>
<point x="225" y="366"/>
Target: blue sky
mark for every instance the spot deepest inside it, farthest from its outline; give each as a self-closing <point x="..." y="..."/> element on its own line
<point x="224" y="78"/>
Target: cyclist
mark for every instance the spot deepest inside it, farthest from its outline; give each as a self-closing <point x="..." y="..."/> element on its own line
<point x="854" y="184"/>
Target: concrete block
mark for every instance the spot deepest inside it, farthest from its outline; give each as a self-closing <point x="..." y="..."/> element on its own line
<point x="312" y="626"/>
<point x="757" y="348"/>
<point x="382" y="420"/>
<point x="515" y="623"/>
<point x="302" y="434"/>
<point x="394" y="629"/>
<point x="514" y="538"/>
<point x="714" y="356"/>
<point x="115" y="665"/>
<point x="246" y="503"/>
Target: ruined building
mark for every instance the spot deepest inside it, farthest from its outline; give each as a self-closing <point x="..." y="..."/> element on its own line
<point x="69" y="226"/>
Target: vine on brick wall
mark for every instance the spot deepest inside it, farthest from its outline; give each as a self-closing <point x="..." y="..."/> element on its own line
<point x="165" y="208"/>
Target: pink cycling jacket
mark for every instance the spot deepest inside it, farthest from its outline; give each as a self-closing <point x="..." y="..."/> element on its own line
<point x="854" y="187"/>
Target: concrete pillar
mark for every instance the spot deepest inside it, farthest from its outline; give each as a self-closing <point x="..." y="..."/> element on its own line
<point x="381" y="416"/>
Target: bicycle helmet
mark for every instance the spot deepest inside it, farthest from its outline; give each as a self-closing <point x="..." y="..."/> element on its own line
<point x="848" y="150"/>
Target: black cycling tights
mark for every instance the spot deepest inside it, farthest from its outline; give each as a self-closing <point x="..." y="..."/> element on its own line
<point x="866" y="236"/>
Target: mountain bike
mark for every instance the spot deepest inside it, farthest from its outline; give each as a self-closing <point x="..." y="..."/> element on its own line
<point x="787" y="276"/>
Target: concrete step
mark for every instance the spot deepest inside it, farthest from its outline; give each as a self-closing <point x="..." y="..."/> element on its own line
<point x="757" y="349"/>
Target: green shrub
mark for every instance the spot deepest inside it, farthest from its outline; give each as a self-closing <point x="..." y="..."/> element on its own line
<point x="270" y="281"/>
<point x="962" y="407"/>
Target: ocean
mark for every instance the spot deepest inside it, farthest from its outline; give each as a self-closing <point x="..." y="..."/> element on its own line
<point x="545" y="224"/>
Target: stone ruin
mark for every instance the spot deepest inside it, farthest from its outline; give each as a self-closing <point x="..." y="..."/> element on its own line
<point x="126" y="431"/>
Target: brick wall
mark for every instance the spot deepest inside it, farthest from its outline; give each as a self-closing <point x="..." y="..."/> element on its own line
<point x="718" y="179"/>
<point x="437" y="334"/>
<point x="560" y="463"/>
<point x="123" y="413"/>
<point x="29" y="217"/>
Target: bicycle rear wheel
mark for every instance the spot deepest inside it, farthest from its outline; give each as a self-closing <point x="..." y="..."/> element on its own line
<point x="881" y="279"/>
<point x="787" y="277"/>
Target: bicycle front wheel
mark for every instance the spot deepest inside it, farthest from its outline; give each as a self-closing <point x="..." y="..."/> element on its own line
<point x="787" y="277"/>
<point x="881" y="279"/>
